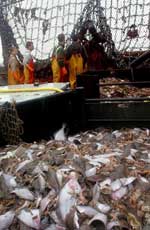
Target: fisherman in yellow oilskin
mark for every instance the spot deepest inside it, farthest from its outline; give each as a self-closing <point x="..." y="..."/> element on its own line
<point x="15" y="69"/>
<point x="58" y="60"/>
<point x="74" y="59"/>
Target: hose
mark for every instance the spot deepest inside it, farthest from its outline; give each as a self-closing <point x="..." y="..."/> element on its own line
<point x="30" y="90"/>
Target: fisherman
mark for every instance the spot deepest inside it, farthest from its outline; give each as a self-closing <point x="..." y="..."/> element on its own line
<point x="28" y="63"/>
<point x="97" y="58"/>
<point x="15" y="68"/>
<point x="74" y="58"/>
<point x="58" y="60"/>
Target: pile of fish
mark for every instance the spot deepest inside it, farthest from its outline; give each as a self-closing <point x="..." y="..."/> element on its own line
<point x="122" y="91"/>
<point x="97" y="179"/>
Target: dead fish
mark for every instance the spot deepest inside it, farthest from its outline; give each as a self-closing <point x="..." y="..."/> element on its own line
<point x="29" y="167"/>
<point x="41" y="147"/>
<point x="44" y="166"/>
<point x="76" y="221"/>
<point x="25" y="205"/>
<point x="34" y="146"/>
<point x="98" y="159"/>
<point x="90" y="172"/>
<point x="127" y="181"/>
<point x="29" y="153"/>
<point x="143" y="179"/>
<point x="42" y="183"/>
<point x="112" y="225"/>
<point x="118" y="172"/>
<point x="105" y="183"/>
<point x="67" y="196"/>
<point x="99" y="146"/>
<point x="117" y="134"/>
<point x="6" y="220"/>
<point x="115" y="185"/>
<point x="4" y="189"/>
<point x="10" y="154"/>
<point x="147" y="132"/>
<point x="30" y="218"/>
<point x="87" y="210"/>
<point x="72" y="219"/>
<point x="40" y="153"/>
<point x="117" y="195"/>
<point x="38" y="200"/>
<point x="23" y="193"/>
<point x="22" y="165"/>
<point x="133" y="152"/>
<point x="61" y="174"/>
<point x="56" y="218"/>
<point x="74" y="139"/>
<point x="59" y="160"/>
<point x="95" y="163"/>
<point x="44" y="202"/>
<point x="52" y="180"/>
<point x="39" y="184"/>
<point x="96" y="192"/>
<point x="60" y="134"/>
<point x="79" y="163"/>
<point x="104" y="208"/>
<point x="99" y="221"/>
<point x="9" y="181"/>
<point x="37" y="170"/>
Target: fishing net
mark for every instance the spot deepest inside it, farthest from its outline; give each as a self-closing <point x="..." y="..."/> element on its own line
<point x="124" y="22"/>
<point x="11" y="127"/>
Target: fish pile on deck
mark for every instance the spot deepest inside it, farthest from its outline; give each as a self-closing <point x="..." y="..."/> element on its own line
<point x="95" y="180"/>
<point x="122" y="91"/>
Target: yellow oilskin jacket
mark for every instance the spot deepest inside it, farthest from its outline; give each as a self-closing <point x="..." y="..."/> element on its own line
<point x="75" y="62"/>
<point x="15" y="75"/>
<point x="75" y="67"/>
<point x="58" y="64"/>
<point x="55" y="70"/>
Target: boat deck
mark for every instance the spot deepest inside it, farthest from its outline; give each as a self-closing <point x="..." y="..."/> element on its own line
<point x="28" y="96"/>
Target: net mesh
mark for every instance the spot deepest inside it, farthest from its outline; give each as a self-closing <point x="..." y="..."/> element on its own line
<point x="11" y="127"/>
<point x="126" y="21"/>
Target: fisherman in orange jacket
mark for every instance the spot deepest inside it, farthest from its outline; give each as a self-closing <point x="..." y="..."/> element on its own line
<point x="28" y="63"/>
<point x="58" y="60"/>
<point x="15" y="73"/>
